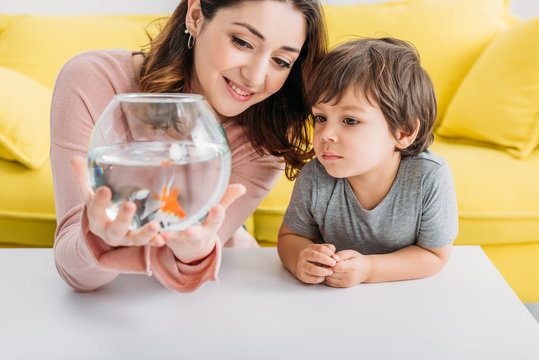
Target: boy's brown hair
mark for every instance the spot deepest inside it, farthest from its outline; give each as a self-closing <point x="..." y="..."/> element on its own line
<point x="388" y="72"/>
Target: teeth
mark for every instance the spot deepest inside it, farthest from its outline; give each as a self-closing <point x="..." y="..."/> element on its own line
<point x="237" y="90"/>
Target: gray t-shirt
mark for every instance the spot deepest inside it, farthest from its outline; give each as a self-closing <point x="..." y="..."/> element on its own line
<point x="420" y="208"/>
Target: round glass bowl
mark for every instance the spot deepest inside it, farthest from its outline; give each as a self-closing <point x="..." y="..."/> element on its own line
<point x="167" y="153"/>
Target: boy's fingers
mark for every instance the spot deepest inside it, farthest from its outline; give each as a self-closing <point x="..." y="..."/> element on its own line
<point x="318" y="257"/>
<point x="317" y="270"/>
<point x="310" y="279"/>
<point x="343" y="267"/>
<point x="331" y="248"/>
<point x="327" y="249"/>
<point x="333" y="282"/>
<point x="346" y="254"/>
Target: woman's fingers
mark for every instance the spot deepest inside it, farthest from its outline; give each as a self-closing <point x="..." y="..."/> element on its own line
<point x="232" y="192"/>
<point x="215" y="217"/>
<point x="118" y="229"/>
<point x="96" y="211"/>
<point x="80" y="168"/>
<point x="114" y="233"/>
<point x="148" y="234"/>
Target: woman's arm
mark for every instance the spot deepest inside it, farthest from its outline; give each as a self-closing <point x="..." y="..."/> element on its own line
<point x="74" y="109"/>
<point x="257" y="173"/>
<point x="84" y="87"/>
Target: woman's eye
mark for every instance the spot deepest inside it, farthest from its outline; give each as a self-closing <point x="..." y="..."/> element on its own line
<point x="281" y="63"/>
<point x="241" y="43"/>
<point x="319" y="118"/>
<point x="350" y="121"/>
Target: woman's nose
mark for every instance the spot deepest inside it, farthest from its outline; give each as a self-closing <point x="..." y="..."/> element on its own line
<point x="255" y="71"/>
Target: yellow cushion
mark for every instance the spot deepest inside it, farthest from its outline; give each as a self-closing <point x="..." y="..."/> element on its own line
<point x="38" y="46"/>
<point x="24" y="119"/>
<point x="27" y="216"/>
<point x="497" y="194"/>
<point x="498" y="101"/>
<point x="449" y="34"/>
<point x="519" y="267"/>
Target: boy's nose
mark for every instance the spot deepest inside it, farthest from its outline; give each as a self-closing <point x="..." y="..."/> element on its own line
<point x="328" y="134"/>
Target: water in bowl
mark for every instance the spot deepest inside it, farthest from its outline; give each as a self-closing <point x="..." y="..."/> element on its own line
<point x="174" y="183"/>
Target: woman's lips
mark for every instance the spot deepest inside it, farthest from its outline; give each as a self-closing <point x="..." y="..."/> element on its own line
<point x="237" y="91"/>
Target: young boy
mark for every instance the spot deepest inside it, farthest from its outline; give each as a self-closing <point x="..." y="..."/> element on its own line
<point x="374" y="205"/>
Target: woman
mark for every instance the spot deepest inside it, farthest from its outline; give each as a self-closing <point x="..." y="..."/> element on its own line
<point x="248" y="58"/>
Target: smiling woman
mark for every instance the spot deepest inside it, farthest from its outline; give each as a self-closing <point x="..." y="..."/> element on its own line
<point x="254" y="59"/>
<point x="248" y="59"/>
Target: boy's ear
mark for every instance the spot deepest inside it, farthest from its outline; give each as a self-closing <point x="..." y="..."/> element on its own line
<point x="194" y="17"/>
<point x="405" y="138"/>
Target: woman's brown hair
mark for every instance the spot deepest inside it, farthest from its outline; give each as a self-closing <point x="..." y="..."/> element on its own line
<point x="388" y="72"/>
<point x="276" y="125"/>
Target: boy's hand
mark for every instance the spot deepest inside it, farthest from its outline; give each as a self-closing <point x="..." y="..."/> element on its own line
<point x="351" y="269"/>
<point x="315" y="262"/>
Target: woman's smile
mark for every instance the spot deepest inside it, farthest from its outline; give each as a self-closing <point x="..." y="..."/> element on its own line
<point x="239" y="92"/>
<point x="241" y="57"/>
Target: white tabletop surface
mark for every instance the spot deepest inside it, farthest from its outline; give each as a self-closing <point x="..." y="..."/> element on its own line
<point x="259" y="311"/>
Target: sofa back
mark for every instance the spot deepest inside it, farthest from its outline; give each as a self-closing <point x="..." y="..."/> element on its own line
<point x="449" y="35"/>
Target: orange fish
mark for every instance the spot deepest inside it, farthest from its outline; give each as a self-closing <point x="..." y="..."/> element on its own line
<point x="171" y="204"/>
<point x="167" y="163"/>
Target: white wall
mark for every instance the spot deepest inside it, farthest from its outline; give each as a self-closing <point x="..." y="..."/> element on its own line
<point x="524" y="9"/>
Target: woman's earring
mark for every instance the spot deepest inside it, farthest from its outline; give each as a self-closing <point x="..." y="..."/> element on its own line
<point x="190" y="41"/>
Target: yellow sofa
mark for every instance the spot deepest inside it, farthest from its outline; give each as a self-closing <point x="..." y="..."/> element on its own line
<point x="483" y="63"/>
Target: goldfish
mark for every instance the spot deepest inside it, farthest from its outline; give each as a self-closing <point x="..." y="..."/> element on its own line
<point x="170" y="202"/>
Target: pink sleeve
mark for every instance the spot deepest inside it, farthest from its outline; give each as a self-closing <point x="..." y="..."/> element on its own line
<point x="258" y="174"/>
<point x="83" y="88"/>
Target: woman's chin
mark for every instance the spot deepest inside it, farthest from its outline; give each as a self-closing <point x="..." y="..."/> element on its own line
<point x="229" y="112"/>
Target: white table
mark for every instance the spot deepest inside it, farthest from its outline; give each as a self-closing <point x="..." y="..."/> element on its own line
<point x="259" y="311"/>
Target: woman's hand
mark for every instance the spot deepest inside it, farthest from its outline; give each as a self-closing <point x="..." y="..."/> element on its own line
<point x="198" y="241"/>
<point x="114" y="233"/>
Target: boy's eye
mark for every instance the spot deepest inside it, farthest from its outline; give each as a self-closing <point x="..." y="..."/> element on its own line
<point x="281" y="63"/>
<point x="319" y="118"/>
<point x="350" y="121"/>
<point x="241" y="43"/>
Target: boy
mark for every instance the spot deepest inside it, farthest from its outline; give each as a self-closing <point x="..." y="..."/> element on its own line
<point x="374" y="205"/>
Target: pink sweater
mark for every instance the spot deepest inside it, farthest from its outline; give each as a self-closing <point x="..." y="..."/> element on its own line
<point x="84" y="86"/>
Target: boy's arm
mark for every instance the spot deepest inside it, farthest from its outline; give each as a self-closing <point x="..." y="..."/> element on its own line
<point x="307" y="261"/>
<point x="411" y="262"/>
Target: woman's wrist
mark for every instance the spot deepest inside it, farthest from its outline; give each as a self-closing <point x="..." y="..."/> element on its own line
<point x="199" y="260"/>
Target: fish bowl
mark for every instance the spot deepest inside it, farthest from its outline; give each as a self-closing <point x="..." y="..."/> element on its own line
<point x="166" y="153"/>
